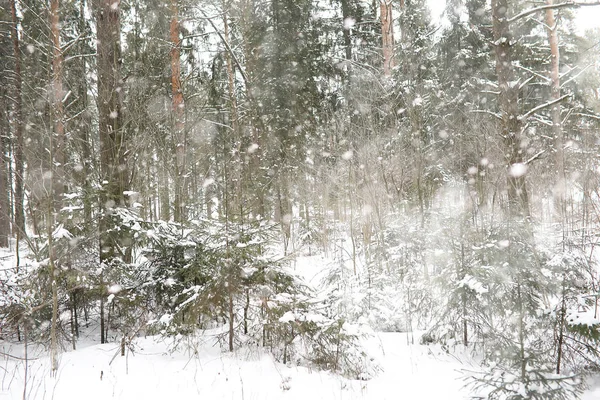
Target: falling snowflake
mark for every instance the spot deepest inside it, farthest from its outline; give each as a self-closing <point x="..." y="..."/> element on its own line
<point x="348" y="155"/>
<point x="207" y="182"/>
<point x="517" y="170"/>
<point x="349" y="23"/>
<point x="252" y="148"/>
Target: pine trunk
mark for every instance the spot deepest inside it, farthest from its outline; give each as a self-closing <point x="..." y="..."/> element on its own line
<point x="178" y="115"/>
<point x="387" y="36"/>
<point x="57" y="106"/>
<point x="18" y="143"/>
<point x="508" y="104"/>
<point x="346" y="14"/>
<point x="112" y="153"/>
<point x="85" y="124"/>
<point x="4" y="173"/>
<point x="58" y="160"/>
<point x="551" y="29"/>
<point x="113" y="167"/>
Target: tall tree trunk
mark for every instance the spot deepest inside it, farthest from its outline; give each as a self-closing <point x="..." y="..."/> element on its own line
<point x="230" y="76"/>
<point x="4" y="198"/>
<point x="237" y="161"/>
<point x="4" y="195"/>
<point x="57" y="144"/>
<point x="463" y="294"/>
<point x="559" y="192"/>
<point x="114" y="173"/>
<point x="346" y="15"/>
<point x="551" y="29"/>
<point x="85" y="126"/>
<point x="508" y="103"/>
<point x="102" y="319"/>
<point x="18" y="144"/>
<point x="283" y="209"/>
<point x="231" y="317"/>
<point x="178" y="115"/>
<point x="163" y="191"/>
<point x="53" y="283"/>
<point x="4" y="162"/>
<point x="387" y="36"/>
<point x="112" y="153"/>
<point x="59" y="161"/>
<point x="256" y="180"/>
<point x="112" y="157"/>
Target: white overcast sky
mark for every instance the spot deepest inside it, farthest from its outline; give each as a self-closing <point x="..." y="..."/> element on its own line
<point x="587" y="17"/>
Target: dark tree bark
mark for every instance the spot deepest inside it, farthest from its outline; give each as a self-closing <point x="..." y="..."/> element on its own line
<point x="112" y="154"/>
<point x="163" y="191"/>
<point x="511" y="124"/>
<point x="4" y="181"/>
<point x="114" y="172"/>
<point x="110" y="116"/>
<point x="178" y="115"/>
<point x="559" y="197"/>
<point x="58" y="160"/>
<point x="102" y="322"/>
<point x="18" y="137"/>
<point x="5" y="52"/>
<point x="57" y="107"/>
<point x="346" y="13"/>
<point x="250" y="46"/>
<point x="551" y="29"/>
<point x="85" y="125"/>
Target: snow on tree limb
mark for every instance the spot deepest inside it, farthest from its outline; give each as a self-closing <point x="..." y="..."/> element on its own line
<point x="228" y="48"/>
<point x="496" y="115"/>
<point x="567" y="4"/>
<point x="542" y="106"/>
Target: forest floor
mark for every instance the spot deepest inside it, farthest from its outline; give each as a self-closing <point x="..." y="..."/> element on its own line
<point x="151" y="371"/>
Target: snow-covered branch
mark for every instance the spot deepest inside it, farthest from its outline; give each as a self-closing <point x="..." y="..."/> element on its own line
<point x="566" y="4"/>
<point x="496" y="115"/>
<point x="534" y="157"/>
<point x="228" y="48"/>
<point x="545" y="78"/>
<point x="587" y="115"/>
<point x="542" y="106"/>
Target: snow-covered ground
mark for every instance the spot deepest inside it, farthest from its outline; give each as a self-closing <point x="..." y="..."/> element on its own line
<point x="409" y="371"/>
<point x="152" y="372"/>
